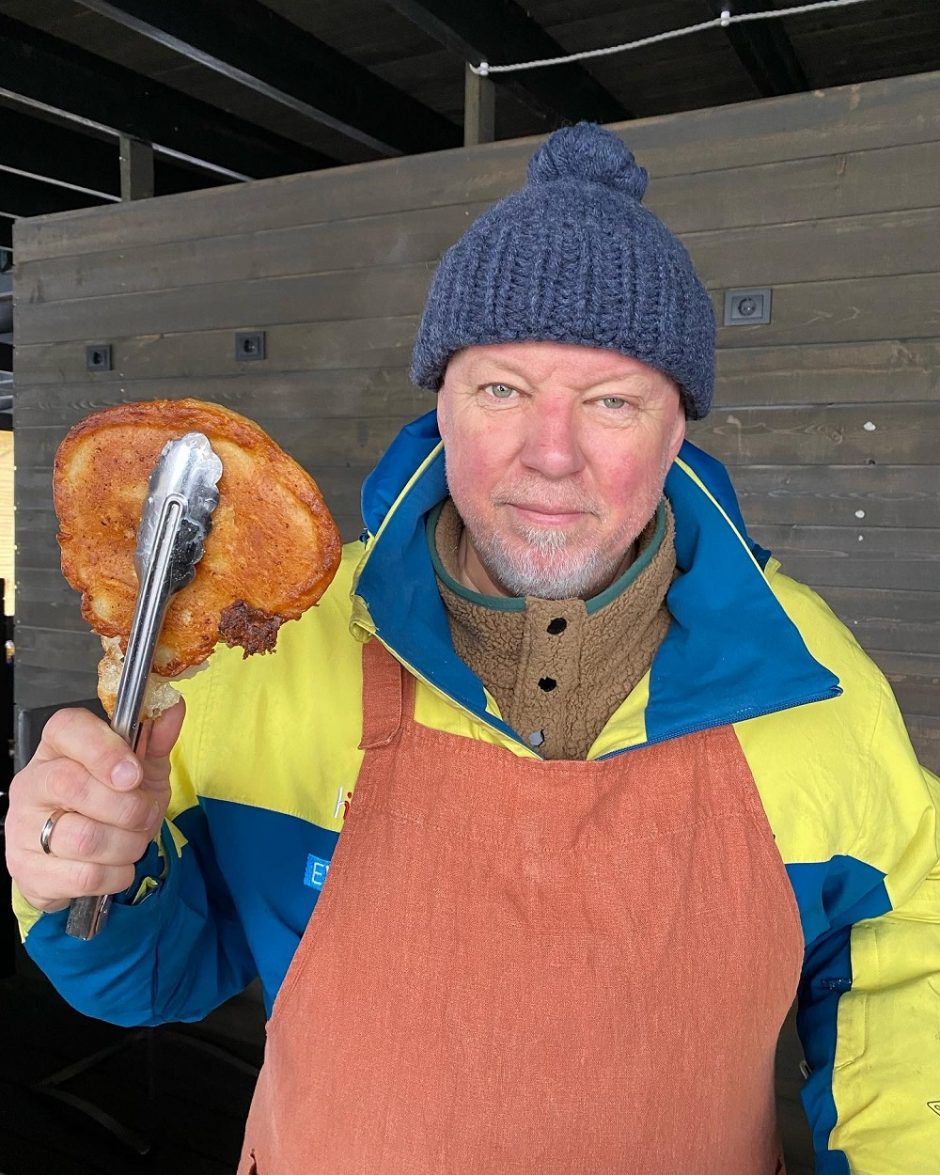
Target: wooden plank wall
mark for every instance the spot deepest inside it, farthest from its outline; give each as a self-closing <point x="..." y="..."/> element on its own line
<point x="6" y="522"/>
<point x="829" y="416"/>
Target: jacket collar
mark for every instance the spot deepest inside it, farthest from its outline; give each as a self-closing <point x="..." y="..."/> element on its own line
<point x="731" y="652"/>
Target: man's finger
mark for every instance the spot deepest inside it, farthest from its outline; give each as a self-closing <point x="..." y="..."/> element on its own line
<point x="161" y="738"/>
<point x="66" y="784"/>
<point x="78" y="735"/>
<point x="60" y="881"/>
<point x="165" y="731"/>
<point x="75" y="837"/>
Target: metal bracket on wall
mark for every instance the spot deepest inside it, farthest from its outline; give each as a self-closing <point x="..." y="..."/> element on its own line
<point x="747" y="307"/>
<point x="98" y="356"/>
<point x="249" y="344"/>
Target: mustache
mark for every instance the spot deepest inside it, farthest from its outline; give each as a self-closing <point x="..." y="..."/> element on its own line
<point x="532" y="494"/>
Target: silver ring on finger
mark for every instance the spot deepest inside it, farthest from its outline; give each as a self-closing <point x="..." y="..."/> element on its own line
<point x="48" y="828"/>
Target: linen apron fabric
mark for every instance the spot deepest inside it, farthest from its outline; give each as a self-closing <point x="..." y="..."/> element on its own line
<point x="519" y="967"/>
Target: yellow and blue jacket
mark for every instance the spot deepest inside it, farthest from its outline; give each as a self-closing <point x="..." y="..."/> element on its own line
<point x="270" y="754"/>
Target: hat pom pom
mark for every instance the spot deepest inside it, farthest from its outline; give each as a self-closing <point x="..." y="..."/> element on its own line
<point x="589" y="153"/>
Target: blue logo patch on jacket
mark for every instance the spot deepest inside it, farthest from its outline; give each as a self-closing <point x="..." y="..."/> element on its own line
<point x="316" y="871"/>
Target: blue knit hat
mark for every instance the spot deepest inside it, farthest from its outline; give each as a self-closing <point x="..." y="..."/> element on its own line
<point x="574" y="257"/>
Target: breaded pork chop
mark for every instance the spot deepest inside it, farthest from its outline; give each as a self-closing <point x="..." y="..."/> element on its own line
<point x="272" y="550"/>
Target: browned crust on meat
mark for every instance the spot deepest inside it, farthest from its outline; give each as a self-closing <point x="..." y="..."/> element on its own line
<point x="252" y="629"/>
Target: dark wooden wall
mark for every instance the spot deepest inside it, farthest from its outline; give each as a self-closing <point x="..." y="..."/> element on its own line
<point x="829" y="416"/>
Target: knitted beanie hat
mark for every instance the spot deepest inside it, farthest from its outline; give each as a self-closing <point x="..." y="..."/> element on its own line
<point x="574" y="257"/>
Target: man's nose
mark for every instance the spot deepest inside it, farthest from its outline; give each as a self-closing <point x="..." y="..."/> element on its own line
<point x="551" y="445"/>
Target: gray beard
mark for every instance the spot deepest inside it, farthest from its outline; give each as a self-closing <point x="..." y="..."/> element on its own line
<point x="547" y="570"/>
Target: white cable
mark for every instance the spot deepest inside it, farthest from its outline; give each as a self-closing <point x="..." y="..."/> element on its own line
<point x="484" y="69"/>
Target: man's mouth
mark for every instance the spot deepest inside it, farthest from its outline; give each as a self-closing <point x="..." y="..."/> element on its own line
<point x="544" y="515"/>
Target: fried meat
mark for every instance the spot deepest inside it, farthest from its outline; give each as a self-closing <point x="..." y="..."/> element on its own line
<point x="272" y="550"/>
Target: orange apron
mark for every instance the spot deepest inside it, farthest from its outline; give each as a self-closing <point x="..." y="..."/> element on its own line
<point x="520" y="967"/>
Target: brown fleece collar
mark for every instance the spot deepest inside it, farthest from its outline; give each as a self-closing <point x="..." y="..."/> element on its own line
<point x="558" y="669"/>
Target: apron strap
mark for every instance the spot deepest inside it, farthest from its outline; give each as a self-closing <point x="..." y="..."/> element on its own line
<point x="386" y="689"/>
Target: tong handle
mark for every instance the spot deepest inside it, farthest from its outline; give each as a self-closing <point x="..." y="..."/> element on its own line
<point x="152" y="601"/>
<point x="88" y="916"/>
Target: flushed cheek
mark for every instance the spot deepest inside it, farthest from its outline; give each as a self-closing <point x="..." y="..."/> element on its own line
<point x="475" y="483"/>
<point x="635" y="478"/>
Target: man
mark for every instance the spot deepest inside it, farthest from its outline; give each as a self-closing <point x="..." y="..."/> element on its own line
<point x="610" y="786"/>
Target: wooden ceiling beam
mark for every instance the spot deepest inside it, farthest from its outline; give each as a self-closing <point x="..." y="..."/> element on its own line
<point x="502" y="33"/>
<point x="764" y="49"/>
<point x="252" y="45"/>
<point x="44" y="71"/>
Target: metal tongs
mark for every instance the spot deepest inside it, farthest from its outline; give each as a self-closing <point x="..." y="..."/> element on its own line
<point x="176" y="518"/>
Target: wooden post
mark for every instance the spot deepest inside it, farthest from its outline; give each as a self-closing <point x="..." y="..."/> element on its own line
<point x="136" y="169"/>
<point x="479" y="109"/>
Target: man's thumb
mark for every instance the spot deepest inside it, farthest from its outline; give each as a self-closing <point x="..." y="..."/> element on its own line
<point x="165" y="731"/>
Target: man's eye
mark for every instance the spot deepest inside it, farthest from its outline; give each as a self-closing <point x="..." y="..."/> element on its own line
<point x="500" y="391"/>
<point x="614" y="402"/>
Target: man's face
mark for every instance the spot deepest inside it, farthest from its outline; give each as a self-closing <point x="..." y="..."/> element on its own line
<point x="556" y="457"/>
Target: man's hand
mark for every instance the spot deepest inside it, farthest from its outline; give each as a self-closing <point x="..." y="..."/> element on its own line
<point x="111" y="801"/>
